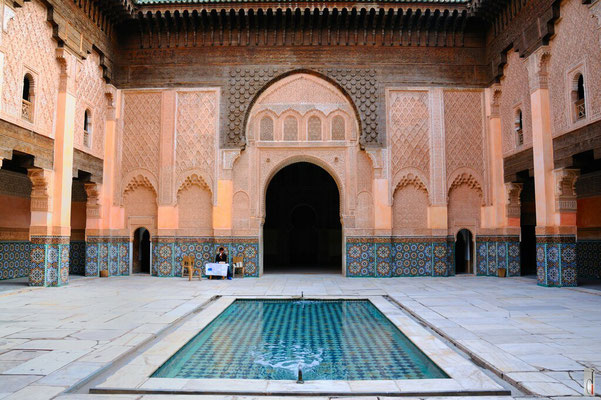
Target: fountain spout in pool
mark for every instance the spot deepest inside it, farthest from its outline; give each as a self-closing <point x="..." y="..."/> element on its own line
<point x="300" y="376"/>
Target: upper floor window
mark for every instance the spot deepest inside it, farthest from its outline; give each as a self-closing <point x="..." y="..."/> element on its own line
<point x="87" y="128"/>
<point x="314" y="128"/>
<point x="290" y="128"/>
<point x="338" y="128"/>
<point x="519" y="128"/>
<point x="27" y="98"/>
<point x="578" y="98"/>
<point x="266" y="128"/>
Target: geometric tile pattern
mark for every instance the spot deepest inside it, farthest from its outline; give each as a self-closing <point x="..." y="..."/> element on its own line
<point x="556" y="261"/>
<point x="14" y="259"/>
<point x="328" y="340"/>
<point x="107" y="254"/>
<point x="77" y="257"/>
<point x="494" y="252"/>
<point x="588" y="257"/>
<point x="49" y="261"/>
<point x="168" y="253"/>
<point x="383" y="257"/>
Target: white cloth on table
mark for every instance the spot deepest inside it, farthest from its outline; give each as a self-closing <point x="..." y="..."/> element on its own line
<point x="216" y="269"/>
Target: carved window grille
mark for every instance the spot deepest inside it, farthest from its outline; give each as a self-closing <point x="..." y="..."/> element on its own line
<point x="314" y="128"/>
<point x="519" y="128"/>
<point x="338" y="129"/>
<point x="290" y="128"/>
<point x="266" y="128"/>
<point x="578" y="98"/>
<point x="27" y="99"/>
<point x="87" y="128"/>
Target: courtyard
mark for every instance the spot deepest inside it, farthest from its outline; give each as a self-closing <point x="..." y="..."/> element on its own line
<point x="61" y="342"/>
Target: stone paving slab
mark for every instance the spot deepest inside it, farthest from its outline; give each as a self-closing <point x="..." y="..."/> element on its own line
<point x="541" y="338"/>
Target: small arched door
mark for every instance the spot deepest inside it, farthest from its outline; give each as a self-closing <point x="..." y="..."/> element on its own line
<point x="141" y="251"/>
<point x="464" y="254"/>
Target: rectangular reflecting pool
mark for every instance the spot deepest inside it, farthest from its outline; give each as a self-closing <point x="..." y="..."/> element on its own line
<point x="327" y="339"/>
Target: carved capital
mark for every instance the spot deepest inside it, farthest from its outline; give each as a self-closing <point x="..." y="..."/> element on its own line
<point x="565" y="189"/>
<point x="92" y="205"/>
<point x="537" y="65"/>
<point x="495" y="100"/>
<point x="41" y="180"/>
<point x="68" y="69"/>
<point x="512" y="192"/>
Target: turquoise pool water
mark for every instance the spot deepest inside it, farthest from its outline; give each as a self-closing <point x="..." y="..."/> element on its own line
<point x="328" y="340"/>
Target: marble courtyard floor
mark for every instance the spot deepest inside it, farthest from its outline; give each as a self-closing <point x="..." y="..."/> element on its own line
<point x="535" y="341"/>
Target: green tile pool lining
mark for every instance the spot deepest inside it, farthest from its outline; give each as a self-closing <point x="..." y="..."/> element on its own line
<point x="328" y="339"/>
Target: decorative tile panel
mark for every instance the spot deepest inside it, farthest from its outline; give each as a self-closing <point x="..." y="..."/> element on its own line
<point x="49" y="258"/>
<point x="77" y="257"/>
<point x="588" y="259"/>
<point x="107" y="254"/>
<point x="556" y="261"/>
<point x="494" y="252"/>
<point x="168" y="253"/>
<point x="14" y="259"/>
<point x="384" y="257"/>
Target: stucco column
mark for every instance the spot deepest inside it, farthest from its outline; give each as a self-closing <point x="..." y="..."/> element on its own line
<point x="494" y="214"/>
<point x="437" y="212"/>
<point x="555" y="239"/>
<point x="63" y="145"/>
<point x="51" y="190"/>
<point x="107" y="192"/>
<point x="167" y="212"/>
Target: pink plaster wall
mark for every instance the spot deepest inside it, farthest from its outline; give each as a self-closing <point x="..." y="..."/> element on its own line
<point x="14" y="212"/>
<point x="28" y="47"/>
<point x="90" y="95"/>
<point x="515" y="94"/>
<point x="574" y="48"/>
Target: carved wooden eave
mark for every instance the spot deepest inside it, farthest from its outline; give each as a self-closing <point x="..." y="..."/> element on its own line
<point x="515" y="25"/>
<point x="190" y="25"/>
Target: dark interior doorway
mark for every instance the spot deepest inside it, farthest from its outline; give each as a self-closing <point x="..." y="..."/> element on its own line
<point x="527" y="225"/>
<point x="464" y="252"/>
<point x="141" y="251"/>
<point x="302" y="230"/>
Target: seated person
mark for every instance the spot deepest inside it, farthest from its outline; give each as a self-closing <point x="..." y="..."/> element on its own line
<point x="221" y="258"/>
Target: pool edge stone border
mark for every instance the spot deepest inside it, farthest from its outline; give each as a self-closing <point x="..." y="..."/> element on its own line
<point x="465" y="379"/>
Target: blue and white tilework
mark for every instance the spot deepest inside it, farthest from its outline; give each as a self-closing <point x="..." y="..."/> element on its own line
<point x="556" y="261"/>
<point x="384" y="257"/>
<point x="14" y="259"/>
<point x="494" y="252"/>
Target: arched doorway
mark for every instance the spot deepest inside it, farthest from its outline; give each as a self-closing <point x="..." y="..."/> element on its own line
<point x="464" y="252"/>
<point x="302" y="230"/>
<point x="141" y="251"/>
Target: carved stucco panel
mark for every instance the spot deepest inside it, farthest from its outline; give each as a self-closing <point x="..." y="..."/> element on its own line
<point x="409" y="123"/>
<point x="196" y="132"/>
<point x="141" y="130"/>
<point x="464" y="131"/>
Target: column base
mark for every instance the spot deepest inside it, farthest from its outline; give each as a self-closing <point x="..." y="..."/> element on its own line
<point x="556" y="261"/>
<point x="49" y="261"/>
